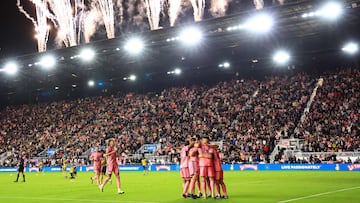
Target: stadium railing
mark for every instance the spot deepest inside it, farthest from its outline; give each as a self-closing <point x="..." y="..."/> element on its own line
<point x="306" y="155"/>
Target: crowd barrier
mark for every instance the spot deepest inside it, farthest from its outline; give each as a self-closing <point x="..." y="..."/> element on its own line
<point x="226" y="167"/>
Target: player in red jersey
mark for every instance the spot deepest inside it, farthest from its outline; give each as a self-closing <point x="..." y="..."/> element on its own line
<point x="194" y="167"/>
<point x="112" y="167"/>
<point x="184" y="168"/>
<point x="219" y="176"/>
<point x="206" y="163"/>
<point x="97" y="156"/>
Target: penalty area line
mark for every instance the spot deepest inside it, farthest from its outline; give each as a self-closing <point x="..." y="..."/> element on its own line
<point x="319" y="194"/>
<point x="69" y="199"/>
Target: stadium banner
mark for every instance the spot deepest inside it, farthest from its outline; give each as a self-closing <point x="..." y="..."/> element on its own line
<point x="226" y="167"/>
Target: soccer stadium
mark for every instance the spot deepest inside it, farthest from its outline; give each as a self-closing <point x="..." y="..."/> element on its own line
<point x="169" y="101"/>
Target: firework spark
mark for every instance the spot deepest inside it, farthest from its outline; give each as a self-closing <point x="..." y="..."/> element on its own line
<point x="107" y="10"/>
<point x="219" y="7"/>
<point x="153" y="11"/>
<point x="199" y="7"/>
<point x="41" y="26"/>
<point x="259" y="4"/>
<point x="120" y="11"/>
<point x="174" y="10"/>
<point x="92" y="19"/>
<point x="68" y="20"/>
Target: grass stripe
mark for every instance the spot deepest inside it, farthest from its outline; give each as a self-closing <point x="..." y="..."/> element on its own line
<point x="67" y="199"/>
<point x="319" y="194"/>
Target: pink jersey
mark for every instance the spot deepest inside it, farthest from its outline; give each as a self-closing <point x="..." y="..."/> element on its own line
<point x="205" y="150"/>
<point x="217" y="161"/>
<point x="194" y="154"/>
<point x="111" y="159"/>
<point x="97" y="156"/>
<point x="184" y="162"/>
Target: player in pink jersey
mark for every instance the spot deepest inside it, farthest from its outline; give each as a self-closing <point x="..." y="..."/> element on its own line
<point x="184" y="168"/>
<point x="194" y="167"/>
<point x="112" y="167"/>
<point x="219" y="176"/>
<point x="97" y="156"/>
<point x="206" y="163"/>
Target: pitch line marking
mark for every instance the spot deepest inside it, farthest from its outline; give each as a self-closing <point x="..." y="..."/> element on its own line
<point x="79" y="200"/>
<point x="319" y="194"/>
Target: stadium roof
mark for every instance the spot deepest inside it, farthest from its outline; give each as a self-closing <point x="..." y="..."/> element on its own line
<point x="313" y="42"/>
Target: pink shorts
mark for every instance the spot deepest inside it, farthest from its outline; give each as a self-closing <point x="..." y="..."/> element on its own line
<point x="112" y="168"/>
<point x="194" y="168"/>
<point x="97" y="169"/>
<point x="219" y="175"/>
<point x="184" y="173"/>
<point x="207" y="171"/>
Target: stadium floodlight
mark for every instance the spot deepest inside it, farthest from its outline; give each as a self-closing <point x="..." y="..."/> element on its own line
<point x="191" y="36"/>
<point x="260" y="23"/>
<point x="11" y="68"/>
<point x="177" y="71"/>
<point x="91" y="83"/>
<point x="134" y="46"/>
<point x="132" y="77"/>
<point x="331" y="10"/>
<point x="47" y="62"/>
<point x="225" y="65"/>
<point x="281" y="57"/>
<point x="350" y="48"/>
<point x="87" y="54"/>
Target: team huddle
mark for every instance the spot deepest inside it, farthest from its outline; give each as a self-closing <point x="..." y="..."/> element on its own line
<point x="201" y="159"/>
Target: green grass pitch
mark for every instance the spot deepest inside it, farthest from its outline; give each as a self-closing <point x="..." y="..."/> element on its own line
<point x="165" y="187"/>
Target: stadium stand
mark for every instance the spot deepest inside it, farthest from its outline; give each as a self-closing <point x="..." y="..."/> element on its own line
<point x="248" y="116"/>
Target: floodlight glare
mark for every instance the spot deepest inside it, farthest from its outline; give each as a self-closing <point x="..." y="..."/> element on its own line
<point x="281" y="57"/>
<point x="11" y="68"/>
<point x="331" y="10"/>
<point x="177" y="71"/>
<point x="351" y="48"/>
<point x="260" y="23"/>
<point x="134" y="46"/>
<point x="226" y="65"/>
<point x="91" y="83"/>
<point x="87" y="54"/>
<point x="191" y="36"/>
<point x="132" y="77"/>
<point x="47" y="62"/>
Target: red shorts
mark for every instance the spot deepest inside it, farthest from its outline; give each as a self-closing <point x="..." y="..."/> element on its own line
<point x="184" y="173"/>
<point x="219" y="175"/>
<point x="207" y="171"/>
<point x="112" y="168"/>
<point x="194" y="168"/>
<point x="97" y="169"/>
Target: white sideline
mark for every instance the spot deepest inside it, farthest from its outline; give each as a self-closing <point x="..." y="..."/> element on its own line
<point x="319" y="194"/>
<point x="79" y="200"/>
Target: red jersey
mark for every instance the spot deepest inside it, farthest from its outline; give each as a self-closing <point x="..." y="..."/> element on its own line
<point x="205" y="150"/>
<point x="217" y="161"/>
<point x="111" y="159"/>
<point x="184" y="162"/>
<point x="194" y="154"/>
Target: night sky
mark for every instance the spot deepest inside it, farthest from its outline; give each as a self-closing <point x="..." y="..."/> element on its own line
<point x="17" y="32"/>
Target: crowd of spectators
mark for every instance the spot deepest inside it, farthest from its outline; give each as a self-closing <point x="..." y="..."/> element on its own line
<point x="333" y="122"/>
<point x="246" y="115"/>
